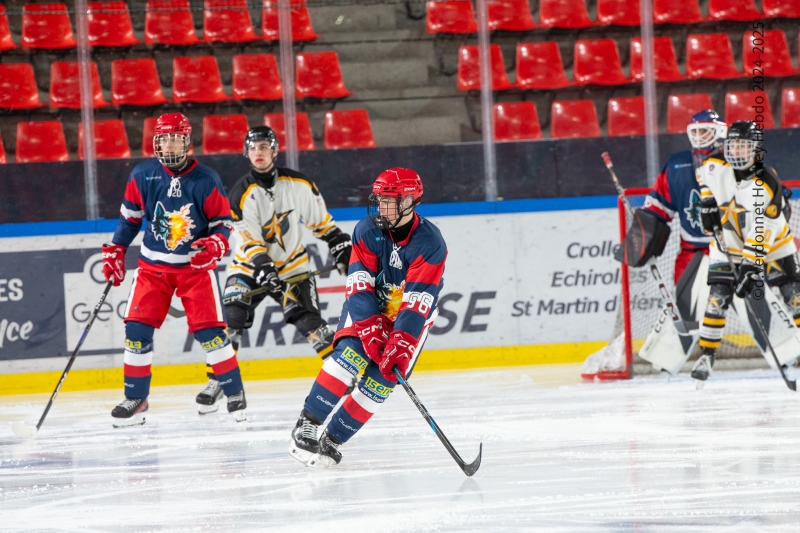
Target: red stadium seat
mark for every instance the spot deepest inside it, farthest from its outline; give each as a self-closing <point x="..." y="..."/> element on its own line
<point x="197" y="79"/>
<point x="710" y="56"/>
<point x="3" y="159"/>
<point x="666" y="62"/>
<point x="227" y="21"/>
<point x="677" y="12"/>
<point x="516" y="121"/>
<point x="454" y="16"/>
<point x="469" y="70"/>
<point x="301" y="22"/>
<point x="618" y="12"/>
<point x="135" y="82"/>
<point x="749" y="105"/>
<point x="110" y="24"/>
<point x="110" y="140"/>
<point x="256" y="77"/>
<point x="510" y="15"/>
<point x="539" y="66"/>
<point x="318" y="75"/>
<point x="348" y="129"/>
<point x="65" y="86"/>
<point x="781" y="8"/>
<point x="626" y="116"/>
<point x="733" y="10"/>
<point x="564" y="14"/>
<point x="148" y="132"/>
<point x="767" y="54"/>
<point x="46" y="26"/>
<point x="169" y="22"/>
<point x="39" y="142"/>
<point x="574" y="118"/>
<point x="224" y="134"/>
<point x="597" y="62"/>
<point x="305" y="140"/>
<point x="790" y="108"/>
<point x="18" y="87"/>
<point x="682" y="107"/>
<point x="6" y="42"/>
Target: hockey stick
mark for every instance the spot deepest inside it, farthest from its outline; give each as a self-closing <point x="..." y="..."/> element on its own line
<point x="294" y="280"/>
<point x="724" y="249"/>
<point x="469" y="469"/>
<point x="27" y="432"/>
<point x="671" y="307"/>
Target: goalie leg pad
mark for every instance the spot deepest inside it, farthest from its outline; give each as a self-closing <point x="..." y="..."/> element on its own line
<point x="719" y="299"/>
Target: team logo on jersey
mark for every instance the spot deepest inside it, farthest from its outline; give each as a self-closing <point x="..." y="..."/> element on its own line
<point x="394" y="259"/>
<point x="693" y="211"/>
<point x="277" y="227"/>
<point x="390" y="296"/>
<point x="733" y="216"/>
<point x="173" y="227"/>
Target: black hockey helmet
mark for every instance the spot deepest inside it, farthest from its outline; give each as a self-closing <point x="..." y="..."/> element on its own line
<point x="258" y="134"/>
<point x="742" y="143"/>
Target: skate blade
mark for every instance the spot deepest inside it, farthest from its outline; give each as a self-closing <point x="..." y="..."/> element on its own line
<point x="300" y="455"/>
<point x="699" y="384"/>
<point x="240" y="415"/>
<point x="135" y="420"/>
<point x="320" y="461"/>
<point x="203" y="409"/>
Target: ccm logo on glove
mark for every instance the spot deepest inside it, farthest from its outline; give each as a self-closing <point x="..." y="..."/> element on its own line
<point x="212" y="249"/>
<point x="114" y="263"/>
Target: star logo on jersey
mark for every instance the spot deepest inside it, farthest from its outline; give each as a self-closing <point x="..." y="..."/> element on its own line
<point x="732" y="216"/>
<point x="172" y="227"/>
<point x="277" y="227"/>
<point x="693" y="211"/>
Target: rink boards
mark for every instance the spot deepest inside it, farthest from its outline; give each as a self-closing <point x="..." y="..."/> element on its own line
<point x="526" y="282"/>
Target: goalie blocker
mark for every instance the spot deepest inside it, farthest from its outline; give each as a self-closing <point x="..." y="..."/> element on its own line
<point x="647" y="237"/>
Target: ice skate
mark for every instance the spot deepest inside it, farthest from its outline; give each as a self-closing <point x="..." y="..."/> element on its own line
<point x="237" y="405"/>
<point x="304" y="439"/>
<point x="129" y="413"/>
<point x="328" y="454"/>
<point x="702" y="369"/>
<point x="208" y="400"/>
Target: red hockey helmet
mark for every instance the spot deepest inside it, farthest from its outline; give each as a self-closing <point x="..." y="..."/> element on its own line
<point x="172" y="139"/>
<point x="395" y="193"/>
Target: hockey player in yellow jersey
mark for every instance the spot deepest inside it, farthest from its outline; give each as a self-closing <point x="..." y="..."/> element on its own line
<point x="744" y="198"/>
<point x="269" y="206"/>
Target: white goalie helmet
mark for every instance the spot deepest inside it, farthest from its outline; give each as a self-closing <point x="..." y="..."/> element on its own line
<point x="707" y="130"/>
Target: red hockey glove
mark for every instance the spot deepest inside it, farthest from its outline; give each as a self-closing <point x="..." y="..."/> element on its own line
<point x="374" y="333"/>
<point x="114" y="263"/>
<point x="211" y="249"/>
<point x="398" y="353"/>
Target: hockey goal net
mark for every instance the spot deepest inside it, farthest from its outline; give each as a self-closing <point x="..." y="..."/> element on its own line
<point x="641" y="305"/>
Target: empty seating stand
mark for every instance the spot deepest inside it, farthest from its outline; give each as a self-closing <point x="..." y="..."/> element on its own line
<point x="318" y="75"/>
<point x="666" y="62"/>
<point x="626" y="116"/>
<point x="46" y="26"/>
<point x="305" y="140"/>
<point x="766" y="53"/>
<point x="6" y="42"/>
<point x="710" y="56"/>
<point x="148" y="132"/>
<point x="348" y="129"/>
<point x="197" y="79"/>
<point x="539" y="66"/>
<point x="169" y="22"/>
<point x="469" y="71"/>
<point x="18" y="87"/>
<point x="682" y="107"/>
<point x="110" y="140"/>
<point x="618" y="12"/>
<point x="256" y="77"/>
<point x="110" y="24"/>
<point x="781" y="8"/>
<point x="516" y="121"/>
<point x="570" y="14"/>
<point x="39" y="142"/>
<point x="135" y="82"/>
<point x="455" y="16"/>
<point x="3" y="159"/>
<point x="510" y="15"/>
<point x="65" y="86"/>
<point x="733" y="10"/>
<point x="227" y="21"/>
<point x="574" y="118"/>
<point x="749" y="105"/>
<point x="223" y="134"/>
<point x="790" y="108"/>
<point x="597" y="62"/>
<point x="677" y="12"/>
<point x="301" y="22"/>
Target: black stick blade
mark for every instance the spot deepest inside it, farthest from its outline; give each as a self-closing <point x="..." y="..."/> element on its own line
<point x="473" y="467"/>
<point x="792" y="384"/>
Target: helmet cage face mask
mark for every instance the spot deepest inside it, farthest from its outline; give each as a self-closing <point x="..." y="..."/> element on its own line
<point x="395" y="202"/>
<point x="706" y="134"/>
<point x="741" y="153"/>
<point x="171" y="159"/>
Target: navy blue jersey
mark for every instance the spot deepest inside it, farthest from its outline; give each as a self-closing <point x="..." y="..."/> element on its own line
<point x="400" y="280"/>
<point x="676" y="192"/>
<point x="178" y="209"/>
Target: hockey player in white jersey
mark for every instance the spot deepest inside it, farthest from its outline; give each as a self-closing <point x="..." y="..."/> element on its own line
<point x="269" y="204"/>
<point x="744" y="198"/>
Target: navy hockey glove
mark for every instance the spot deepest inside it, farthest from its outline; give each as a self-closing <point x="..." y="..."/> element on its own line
<point x="212" y="249"/>
<point x="709" y="214"/>
<point x="749" y="276"/>
<point x="114" y="263"/>
<point x="374" y="334"/>
<point x="398" y="353"/>
<point x="340" y="247"/>
<point x="266" y="275"/>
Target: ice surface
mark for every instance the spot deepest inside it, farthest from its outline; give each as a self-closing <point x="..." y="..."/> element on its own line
<point x="645" y="456"/>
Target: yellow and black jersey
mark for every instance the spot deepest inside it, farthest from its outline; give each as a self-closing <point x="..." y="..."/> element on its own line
<point x="268" y="220"/>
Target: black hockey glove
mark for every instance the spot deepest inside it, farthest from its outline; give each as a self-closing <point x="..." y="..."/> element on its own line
<point x="340" y="247"/>
<point x="709" y="214"/>
<point x="748" y="278"/>
<point x="266" y="275"/>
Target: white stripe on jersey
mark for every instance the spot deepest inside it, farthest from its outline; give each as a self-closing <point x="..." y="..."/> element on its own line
<point x="172" y="258"/>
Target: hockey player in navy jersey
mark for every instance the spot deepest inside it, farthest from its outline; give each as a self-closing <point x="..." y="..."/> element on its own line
<point x="393" y="284"/>
<point x="187" y="221"/>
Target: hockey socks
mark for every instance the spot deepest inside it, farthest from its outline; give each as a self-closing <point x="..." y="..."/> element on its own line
<point x="358" y="408"/>
<point x="137" y="360"/>
<point x="222" y="358"/>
